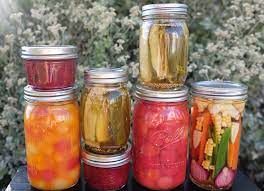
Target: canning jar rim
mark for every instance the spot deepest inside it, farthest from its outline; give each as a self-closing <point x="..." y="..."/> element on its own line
<point x="105" y="75"/>
<point x="56" y="95"/>
<point x="49" y="52"/>
<point x="164" y="10"/>
<point x="107" y="161"/>
<point x="161" y="95"/>
<point x="218" y="89"/>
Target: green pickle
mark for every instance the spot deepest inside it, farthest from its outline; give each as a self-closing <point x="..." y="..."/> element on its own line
<point x="163" y="54"/>
<point x="105" y="119"/>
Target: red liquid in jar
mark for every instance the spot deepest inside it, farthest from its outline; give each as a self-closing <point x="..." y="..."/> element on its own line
<point x="51" y="74"/>
<point x="160" y="144"/>
<point x="106" y="178"/>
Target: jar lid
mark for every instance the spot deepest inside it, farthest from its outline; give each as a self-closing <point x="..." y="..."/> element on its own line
<point x="105" y="75"/>
<point x="219" y="89"/>
<point x="107" y="161"/>
<point x="163" y="95"/>
<point x="32" y="95"/>
<point x="166" y="9"/>
<point x="47" y="52"/>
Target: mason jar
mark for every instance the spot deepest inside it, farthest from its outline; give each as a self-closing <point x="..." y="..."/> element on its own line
<point x="105" y="110"/>
<point x="52" y="137"/>
<point x="163" y="45"/>
<point x="160" y="137"/>
<point x="107" y="172"/>
<point x="217" y="114"/>
<point x="50" y="67"/>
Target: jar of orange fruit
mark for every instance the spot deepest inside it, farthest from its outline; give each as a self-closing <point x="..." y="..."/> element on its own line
<point x="52" y="136"/>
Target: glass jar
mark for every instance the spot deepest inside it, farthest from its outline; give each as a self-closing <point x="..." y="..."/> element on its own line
<point x="105" y="110"/>
<point x="217" y="112"/>
<point x="107" y="172"/>
<point x="50" y="67"/>
<point x="163" y="45"/>
<point x="160" y="137"/>
<point x="52" y="136"/>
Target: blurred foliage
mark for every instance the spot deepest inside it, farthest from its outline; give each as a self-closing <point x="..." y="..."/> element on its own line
<point x="226" y="42"/>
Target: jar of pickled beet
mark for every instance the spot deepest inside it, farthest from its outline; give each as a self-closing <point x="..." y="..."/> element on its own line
<point x="217" y="112"/>
<point x="107" y="172"/>
<point x="50" y="67"/>
<point x="52" y="137"/>
<point x="160" y="137"/>
<point x="105" y="110"/>
<point x="163" y="45"/>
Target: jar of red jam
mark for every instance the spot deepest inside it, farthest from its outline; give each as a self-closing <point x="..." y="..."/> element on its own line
<point x="50" y="67"/>
<point x="107" y="172"/>
<point x="160" y="137"/>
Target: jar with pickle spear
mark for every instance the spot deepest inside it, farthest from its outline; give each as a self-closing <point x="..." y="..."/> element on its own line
<point x="163" y="45"/>
<point x="105" y="110"/>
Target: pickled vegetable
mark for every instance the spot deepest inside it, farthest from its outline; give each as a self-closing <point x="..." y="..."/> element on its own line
<point x="52" y="144"/>
<point x="215" y="141"/>
<point x="160" y="144"/>
<point x="105" y="118"/>
<point x="163" y="54"/>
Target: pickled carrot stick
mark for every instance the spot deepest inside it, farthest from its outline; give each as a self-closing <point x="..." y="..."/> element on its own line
<point x="230" y="157"/>
<point x="236" y="149"/>
<point x="194" y="114"/>
<point x="206" y="124"/>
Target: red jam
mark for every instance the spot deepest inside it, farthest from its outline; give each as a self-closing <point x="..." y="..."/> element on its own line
<point x="160" y="143"/>
<point x="106" y="178"/>
<point x="107" y="172"/>
<point x="51" y="74"/>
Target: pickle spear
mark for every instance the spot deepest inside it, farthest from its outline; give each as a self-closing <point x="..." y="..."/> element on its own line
<point x="172" y="40"/>
<point x="89" y="120"/>
<point x="158" y="51"/>
<point x="102" y="134"/>
<point x="116" y="117"/>
<point x="144" y="56"/>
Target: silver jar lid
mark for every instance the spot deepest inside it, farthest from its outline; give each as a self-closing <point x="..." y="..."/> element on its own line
<point x="164" y="95"/>
<point x="166" y="9"/>
<point x="47" y="52"/>
<point x="107" y="161"/>
<point x="219" y="90"/>
<point x="105" y="75"/>
<point x="33" y="95"/>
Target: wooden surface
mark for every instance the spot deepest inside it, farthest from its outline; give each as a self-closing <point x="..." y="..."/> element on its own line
<point x="20" y="183"/>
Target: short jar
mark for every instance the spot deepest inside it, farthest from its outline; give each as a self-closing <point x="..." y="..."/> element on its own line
<point x="105" y="110"/>
<point x="52" y="137"/>
<point x="163" y="45"/>
<point x="50" y="67"/>
<point x="107" y="172"/>
<point x="217" y="113"/>
<point x="160" y="137"/>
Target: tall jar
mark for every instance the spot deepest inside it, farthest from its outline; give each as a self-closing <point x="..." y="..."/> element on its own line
<point x="50" y="67"/>
<point x="163" y="45"/>
<point x="52" y="136"/>
<point x="105" y="110"/>
<point x="160" y="137"/>
<point x="217" y="113"/>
